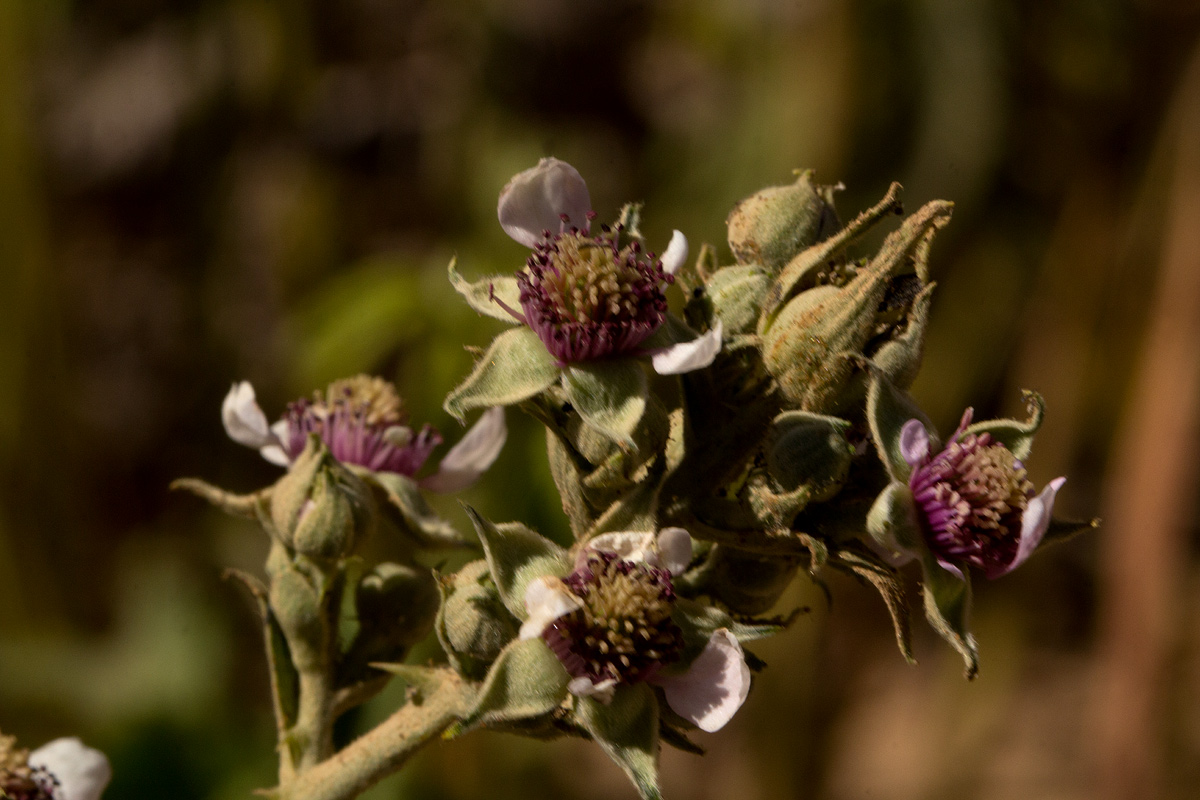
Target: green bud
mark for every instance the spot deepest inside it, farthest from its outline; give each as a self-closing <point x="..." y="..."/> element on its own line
<point x="805" y="449"/>
<point x="320" y="509"/>
<point x="771" y="226"/>
<point x="819" y="326"/>
<point x="473" y="625"/>
<point x="396" y="606"/>
<point x="748" y="583"/>
<point x="736" y="293"/>
<point x="298" y="607"/>
<point x="398" y="601"/>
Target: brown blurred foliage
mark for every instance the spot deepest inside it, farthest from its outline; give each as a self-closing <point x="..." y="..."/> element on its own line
<point x="197" y="192"/>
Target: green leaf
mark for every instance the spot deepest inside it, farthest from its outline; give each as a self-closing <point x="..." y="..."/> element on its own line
<point x="948" y="609"/>
<point x="527" y="680"/>
<point x="285" y="682"/>
<point x="888" y="408"/>
<point x="858" y="560"/>
<point x="610" y="395"/>
<point x="479" y="294"/>
<point x="426" y="526"/>
<point x="1015" y="434"/>
<point x="515" y="367"/>
<point x="517" y="555"/>
<point x="627" y="730"/>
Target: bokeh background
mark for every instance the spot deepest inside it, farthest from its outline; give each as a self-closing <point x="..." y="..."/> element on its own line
<point x="193" y="192"/>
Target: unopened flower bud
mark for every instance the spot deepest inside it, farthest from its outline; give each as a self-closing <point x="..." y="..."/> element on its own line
<point x="320" y="508"/>
<point x="772" y="225"/>
<point x="473" y="625"/>
<point x="823" y="317"/>
<point x="398" y="601"/>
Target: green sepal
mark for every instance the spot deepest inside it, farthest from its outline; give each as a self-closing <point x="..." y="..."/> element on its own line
<point x="565" y="464"/>
<point x="610" y="395"/>
<point x="900" y="358"/>
<point x="515" y="367"/>
<point x="948" y="609"/>
<point x="888" y="408"/>
<point x="1061" y="530"/>
<point x="859" y="561"/>
<point x="527" y="680"/>
<point x="251" y="506"/>
<point x="637" y="509"/>
<point x="699" y="621"/>
<point x="627" y="731"/>
<point x="517" y="555"/>
<point x="421" y="679"/>
<point x="892" y="521"/>
<point x="285" y="682"/>
<point x="426" y="526"/>
<point x="1015" y="434"/>
<point x="479" y="294"/>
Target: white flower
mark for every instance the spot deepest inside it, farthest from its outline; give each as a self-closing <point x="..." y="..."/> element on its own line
<point x="552" y="198"/>
<point x="361" y="423"/>
<point x="81" y="771"/>
<point x="715" y="684"/>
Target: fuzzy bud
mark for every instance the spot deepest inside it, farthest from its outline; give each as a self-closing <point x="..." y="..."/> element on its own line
<point x="473" y="625"/>
<point x="320" y="509"/>
<point x="772" y="225"/>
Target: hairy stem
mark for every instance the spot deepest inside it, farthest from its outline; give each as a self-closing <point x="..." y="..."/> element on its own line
<point x="382" y="751"/>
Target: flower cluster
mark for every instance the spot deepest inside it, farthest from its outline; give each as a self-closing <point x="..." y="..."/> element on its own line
<point x="788" y="375"/>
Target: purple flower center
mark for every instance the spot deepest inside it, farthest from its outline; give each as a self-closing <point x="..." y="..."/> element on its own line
<point x="586" y="297"/>
<point x="362" y="422"/>
<point x="971" y="498"/>
<point x="624" y="631"/>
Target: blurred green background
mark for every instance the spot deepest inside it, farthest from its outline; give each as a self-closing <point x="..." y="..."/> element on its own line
<point x="197" y="192"/>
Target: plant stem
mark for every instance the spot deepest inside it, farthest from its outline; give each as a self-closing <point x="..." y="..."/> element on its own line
<point x="382" y="751"/>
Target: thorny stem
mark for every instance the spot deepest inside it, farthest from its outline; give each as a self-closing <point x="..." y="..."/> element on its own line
<point x="382" y="751"/>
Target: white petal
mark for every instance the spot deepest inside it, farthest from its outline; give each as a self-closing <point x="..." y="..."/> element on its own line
<point x="244" y="421"/>
<point x="546" y="599"/>
<point x="714" y="687"/>
<point x="914" y="442"/>
<point x="274" y="453"/>
<point x="688" y="356"/>
<point x="535" y="200"/>
<point x="676" y="254"/>
<point x="674" y="549"/>
<point x="626" y="546"/>
<point x="82" y="772"/>
<point x="1034" y="524"/>
<point x="473" y="454"/>
<point x="602" y="691"/>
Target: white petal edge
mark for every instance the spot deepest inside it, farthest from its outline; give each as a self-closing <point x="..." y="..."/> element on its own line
<point x="914" y="442"/>
<point x="475" y="452"/>
<point x="625" y="545"/>
<point x="714" y="687"/>
<point x="546" y="599"/>
<point x="244" y="421"/>
<point x="674" y="549"/>
<point x="675" y="254"/>
<point x="274" y="452"/>
<point x="82" y="772"/>
<point x="602" y="691"/>
<point x="689" y="356"/>
<point x="534" y="200"/>
<point x="1034" y="524"/>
